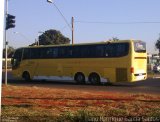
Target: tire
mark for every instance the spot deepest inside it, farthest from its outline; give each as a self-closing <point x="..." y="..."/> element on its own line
<point x="94" y="79"/>
<point x="26" y="76"/>
<point x="79" y="78"/>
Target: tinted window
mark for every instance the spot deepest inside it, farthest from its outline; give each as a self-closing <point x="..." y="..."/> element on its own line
<point x="91" y="51"/>
<point x="26" y="53"/>
<point x="122" y="49"/>
<point x="81" y="51"/>
<point x="85" y="51"/>
<point x="65" y="52"/>
<point x="100" y="51"/>
<point x="110" y="50"/>
<point x="35" y="53"/>
<point x="48" y="52"/>
<point x="18" y="54"/>
<point x="77" y="51"/>
<point x="88" y="51"/>
<point x="116" y="50"/>
<point x="55" y="52"/>
<point x="62" y="52"/>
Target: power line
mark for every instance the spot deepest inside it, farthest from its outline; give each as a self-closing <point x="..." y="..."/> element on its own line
<point x="62" y="15"/>
<point x="118" y="23"/>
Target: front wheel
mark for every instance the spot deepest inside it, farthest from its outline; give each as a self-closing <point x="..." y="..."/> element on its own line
<point x="26" y="76"/>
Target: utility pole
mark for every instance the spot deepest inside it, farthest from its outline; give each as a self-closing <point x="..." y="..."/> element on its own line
<point x="2" y="16"/>
<point x="6" y="43"/>
<point x="72" y="30"/>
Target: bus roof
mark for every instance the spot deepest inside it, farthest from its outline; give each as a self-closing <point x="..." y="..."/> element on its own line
<point x="103" y="42"/>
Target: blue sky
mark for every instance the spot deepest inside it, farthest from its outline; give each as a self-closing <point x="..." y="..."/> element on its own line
<point x="33" y="16"/>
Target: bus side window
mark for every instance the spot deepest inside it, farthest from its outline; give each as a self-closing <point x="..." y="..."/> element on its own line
<point x="49" y="52"/>
<point x="108" y="51"/>
<point x="55" y="52"/>
<point x="116" y="50"/>
<point x="76" y="52"/>
<point x="65" y="52"/>
<point x="99" y="50"/>
<point x="91" y="51"/>
<point x="85" y="51"/>
<point x="122" y="49"/>
<point x="62" y="52"/>
<point x="26" y="53"/>
<point x="46" y="52"/>
<point x="81" y="51"/>
<point x="68" y="52"/>
<point x="35" y="53"/>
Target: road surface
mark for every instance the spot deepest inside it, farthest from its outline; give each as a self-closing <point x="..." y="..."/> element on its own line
<point x="149" y="86"/>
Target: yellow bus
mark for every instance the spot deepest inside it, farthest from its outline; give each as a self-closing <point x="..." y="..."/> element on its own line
<point x="112" y="61"/>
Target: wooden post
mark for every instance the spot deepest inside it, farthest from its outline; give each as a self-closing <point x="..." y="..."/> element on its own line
<point x="72" y="30"/>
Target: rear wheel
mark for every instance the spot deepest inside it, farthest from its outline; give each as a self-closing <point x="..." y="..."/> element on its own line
<point x="80" y="78"/>
<point x="94" y="78"/>
<point x="26" y="76"/>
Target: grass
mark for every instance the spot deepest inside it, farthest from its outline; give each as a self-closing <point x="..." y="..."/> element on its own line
<point x="33" y="103"/>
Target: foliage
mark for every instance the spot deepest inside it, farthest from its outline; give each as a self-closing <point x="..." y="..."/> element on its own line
<point x="52" y="37"/>
<point x="114" y="39"/>
<point x="81" y="115"/>
<point x="158" y="44"/>
<point x="10" y="52"/>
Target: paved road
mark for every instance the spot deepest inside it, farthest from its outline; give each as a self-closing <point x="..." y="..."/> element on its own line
<point x="149" y="86"/>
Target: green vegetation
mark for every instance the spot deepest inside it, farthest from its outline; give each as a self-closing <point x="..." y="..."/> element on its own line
<point x="52" y="37"/>
<point x="158" y="44"/>
<point x="83" y="115"/>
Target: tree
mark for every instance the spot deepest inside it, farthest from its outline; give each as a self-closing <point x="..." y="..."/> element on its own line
<point x="114" y="39"/>
<point x="158" y="44"/>
<point x="10" y="52"/>
<point x="52" y="37"/>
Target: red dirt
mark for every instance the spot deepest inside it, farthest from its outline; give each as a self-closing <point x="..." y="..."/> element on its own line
<point x="72" y="99"/>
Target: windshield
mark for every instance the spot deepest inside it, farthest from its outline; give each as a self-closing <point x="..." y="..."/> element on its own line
<point x="140" y="46"/>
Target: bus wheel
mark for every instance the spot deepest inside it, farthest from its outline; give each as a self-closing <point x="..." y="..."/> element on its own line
<point x="94" y="79"/>
<point x="79" y="78"/>
<point x="26" y="76"/>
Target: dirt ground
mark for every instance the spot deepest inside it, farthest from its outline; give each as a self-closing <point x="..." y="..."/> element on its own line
<point x="37" y="101"/>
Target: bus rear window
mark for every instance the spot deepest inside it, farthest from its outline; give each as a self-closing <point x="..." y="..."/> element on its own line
<point x="140" y="47"/>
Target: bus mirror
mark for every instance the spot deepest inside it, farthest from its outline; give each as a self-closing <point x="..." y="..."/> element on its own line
<point x="14" y="62"/>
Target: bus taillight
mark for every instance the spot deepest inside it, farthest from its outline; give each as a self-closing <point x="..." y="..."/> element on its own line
<point x="132" y="69"/>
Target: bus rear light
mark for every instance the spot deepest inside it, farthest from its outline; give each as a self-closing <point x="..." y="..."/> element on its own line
<point x="132" y="69"/>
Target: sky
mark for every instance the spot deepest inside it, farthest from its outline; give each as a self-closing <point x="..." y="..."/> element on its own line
<point x="95" y="20"/>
